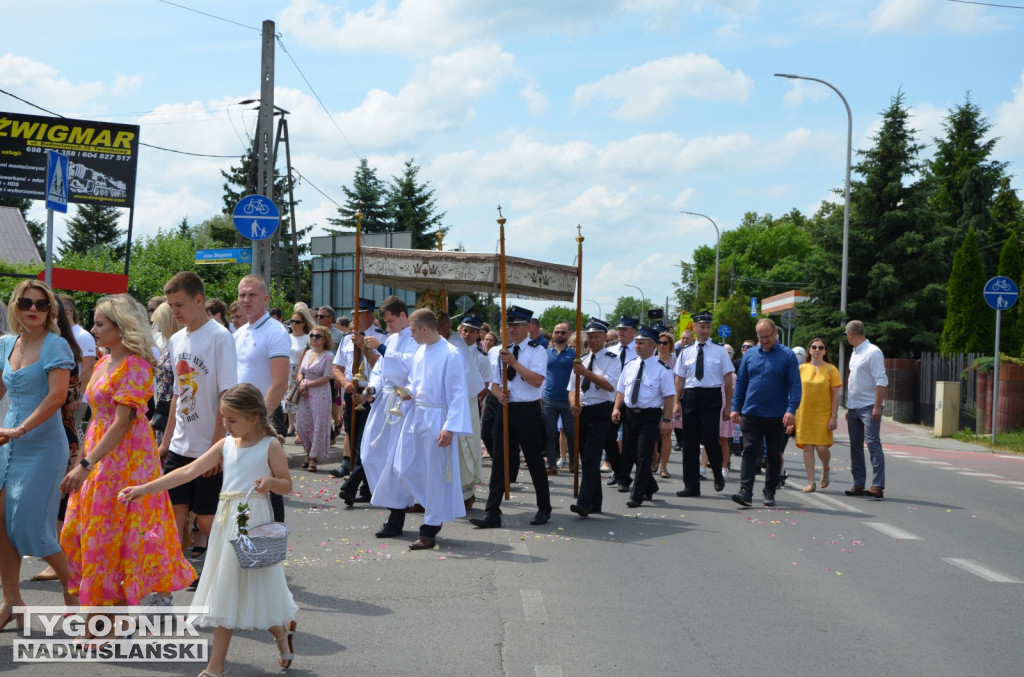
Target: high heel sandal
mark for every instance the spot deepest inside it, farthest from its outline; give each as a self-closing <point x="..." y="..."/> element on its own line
<point x="809" y="488"/>
<point x="824" y="478"/>
<point x="18" y="618"/>
<point x="207" y="673"/>
<point x="285" y="659"/>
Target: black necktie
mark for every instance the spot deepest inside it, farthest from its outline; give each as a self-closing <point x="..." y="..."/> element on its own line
<point x="633" y="396"/>
<point x="509" y="369"/>
<point x="590" y="367"/>
<point x="622" y="357"/>
<point x="699" y="373"/>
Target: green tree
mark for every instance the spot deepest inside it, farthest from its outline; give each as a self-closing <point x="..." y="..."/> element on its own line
<point x="368" y="195"/>
<point x="36" y="229"/>
<point x="92" y="227"/>
<point x="412" y="208"/>
<point x="1011" y="266"/>
<point x="629" y="306"/>
<point x="558" y="314"/>
<point x="1007" y="212"/>
<point x="894" y="282"/>
<point x="735" y="311"/>
<point x="969" y="320"/>
<point x="964" y="180"/>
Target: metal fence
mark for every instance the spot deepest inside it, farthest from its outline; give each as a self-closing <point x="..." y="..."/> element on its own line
<point x="934" y="367"/>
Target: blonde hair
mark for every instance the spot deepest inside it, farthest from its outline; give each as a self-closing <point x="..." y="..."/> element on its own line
<point x="246" y="400"/>
<point x="12" y="305"/>
<point x="163" y="320"/>
<point x="307" y="317"/>
<point x="132" y="319"/>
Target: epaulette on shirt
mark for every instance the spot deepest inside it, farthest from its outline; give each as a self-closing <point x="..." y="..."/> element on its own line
<point x="533" y="344"/>
<point x="609" y="353"/>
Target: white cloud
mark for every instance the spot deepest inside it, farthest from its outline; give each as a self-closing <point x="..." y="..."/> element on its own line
<point x="536" y="101"/>
<point x="649" y="90"/>
<point x="47" y="87"/>
<point x="1009" y="122"/>
<point x="796" y="143"/>
<point x="126" y="84"/>
<point x="917" y="16"/>
<point x="803" y="90"/>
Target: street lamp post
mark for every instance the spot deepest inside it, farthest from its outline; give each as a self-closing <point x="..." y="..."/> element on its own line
<point x="718" y="243"/>
<point x="599" y="312"/>
<point x="846" y="209"/>
<point x="643" y="299"/>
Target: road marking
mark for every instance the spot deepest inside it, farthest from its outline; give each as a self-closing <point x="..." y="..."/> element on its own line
<point x="990" y="575"/>
<point x="915" y="457"/>
<point x="927" y="462"/>
<point x="825" y="501"/>
<point x="1013" y="482"/>
<point x="897" y="453"/>
<point x="533" y="606"/>
<point x="957" y="468"/>
<point x="548" y="670"/>
<point x="982" y="474"/>
<point x="893" y="532"/>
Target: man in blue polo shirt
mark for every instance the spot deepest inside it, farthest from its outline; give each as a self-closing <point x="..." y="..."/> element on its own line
<point x="764" y="403"/>
<point x="556" y="397"/>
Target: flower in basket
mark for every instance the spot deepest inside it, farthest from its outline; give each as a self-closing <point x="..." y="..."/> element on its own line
<point x="242" y="520"/>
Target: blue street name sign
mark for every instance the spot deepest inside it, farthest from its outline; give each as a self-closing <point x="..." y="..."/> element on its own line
<point x="57" y="181"/>
<point x="724" y="330"/>
<point x="256" y="217"/>
<point x="753" y="306"/>
<point x="1001" y="293"/>
<point x="230" y="255"/>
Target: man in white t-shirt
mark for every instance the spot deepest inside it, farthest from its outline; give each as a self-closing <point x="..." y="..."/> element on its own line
<point x="87" y="344"/>
<point x="263" y="348"/>
<point x="202" y="356"/>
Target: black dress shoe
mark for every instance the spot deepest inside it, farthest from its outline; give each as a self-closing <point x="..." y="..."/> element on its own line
<point x="347" y="497"/>
<point x="335" y="473"/>
<point x="612" y="481"/>
<point x="769" y="500"/>
<point x="743" y="499"/>
<point x="688" y="493"/>
<point x="595" y="510"/>
<point x="648" y="497"/>
<point x="541" y="517"/>
<point x="632" y="504"/>
<point x="623" y="487"/>
<point x="363" y="499"/>
<point x="388" y="531"/>
<point x="579" y="510"/>
<point x="486" y="522"/>
<point x="719" y="483"/>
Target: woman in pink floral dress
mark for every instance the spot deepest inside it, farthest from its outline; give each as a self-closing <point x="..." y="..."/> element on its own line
<point x="120" y="552"/>
<point x="313" y="419"/>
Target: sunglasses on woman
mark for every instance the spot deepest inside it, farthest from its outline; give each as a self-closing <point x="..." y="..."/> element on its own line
<point x="313" y="336"/>
<point x="817" y="347"/>
<point x="296" y="322"/>
<point x="41" y="305"/>
<point x="664" y="343"/>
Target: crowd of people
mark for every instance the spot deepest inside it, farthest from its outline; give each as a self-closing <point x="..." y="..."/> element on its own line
<point x="188" y="406"/>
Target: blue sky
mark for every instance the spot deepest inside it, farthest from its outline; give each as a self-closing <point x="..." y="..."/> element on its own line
<point x="613" y="114"/>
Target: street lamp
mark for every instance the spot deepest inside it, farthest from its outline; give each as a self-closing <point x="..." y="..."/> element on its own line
<point x="599" y="313"/>
<point x="643" y="299"/>
<point x="846" y="209"/>
<point x="718" y="243"/>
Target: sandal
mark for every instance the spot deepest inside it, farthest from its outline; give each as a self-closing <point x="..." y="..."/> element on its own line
<point x="47" y="574"/>
<point x="285" y="659"/>
<point x="305" y="464"/>
<point x="824" y="478"/>
<point x="207" y="673"/>
<point x="312" y="466"/>
<point x="8" y="611"/>
<point x="665" y="475"/>
<point x="809" y="488"/>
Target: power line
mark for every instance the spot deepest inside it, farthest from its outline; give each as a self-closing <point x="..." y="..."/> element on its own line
<point x="315" y="188"/>
<point x="212" y="16"/>
<point x="986" y="4"/>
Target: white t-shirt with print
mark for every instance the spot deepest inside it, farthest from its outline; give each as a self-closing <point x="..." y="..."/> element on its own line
<point x="204" y="367"/>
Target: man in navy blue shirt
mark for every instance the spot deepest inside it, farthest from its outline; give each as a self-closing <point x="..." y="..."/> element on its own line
<point x="764" y="403"/>
<point x="556" y="397"/>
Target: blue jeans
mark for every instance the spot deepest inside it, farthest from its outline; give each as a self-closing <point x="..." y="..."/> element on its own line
<point x="552" y="410"/>
<point x="860" y="426"/>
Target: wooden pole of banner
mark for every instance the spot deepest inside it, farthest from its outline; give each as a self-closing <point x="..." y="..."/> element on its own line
<point x="579" y="360"/>
<point x="504" y="349"/>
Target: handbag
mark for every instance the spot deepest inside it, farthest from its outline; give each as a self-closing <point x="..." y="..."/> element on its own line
<point x="293" y="395"/>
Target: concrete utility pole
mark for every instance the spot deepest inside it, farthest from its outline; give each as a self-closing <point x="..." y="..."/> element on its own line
<point x="265" y="147"/>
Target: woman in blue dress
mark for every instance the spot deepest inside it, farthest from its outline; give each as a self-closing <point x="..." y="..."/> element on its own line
<point x="36" y="363"/>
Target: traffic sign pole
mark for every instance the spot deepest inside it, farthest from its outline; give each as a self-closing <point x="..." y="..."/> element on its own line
<point x="1000" y="293"/>
<point x="995" y="380"/>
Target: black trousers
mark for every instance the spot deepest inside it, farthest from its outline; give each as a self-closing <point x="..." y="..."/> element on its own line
<point x="526" y="433"/>
<point x="396" y="520"/>
<point x="640" y="432"/>
<point x="702" y="412"/>
<point x="357" y="477"/>
<point x="492" y="409"/>
<point x="621" y="464"/>
<point x="767" y="435"/>
<point x="276" y="502"/>
<point x="594" y="423"/>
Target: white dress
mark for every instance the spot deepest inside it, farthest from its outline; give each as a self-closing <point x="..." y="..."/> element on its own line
<point x="243" y="599"/>
<point x="380" y="434"/>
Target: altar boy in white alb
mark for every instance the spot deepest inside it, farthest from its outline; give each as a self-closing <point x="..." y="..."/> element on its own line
<point x="426" y="462"/>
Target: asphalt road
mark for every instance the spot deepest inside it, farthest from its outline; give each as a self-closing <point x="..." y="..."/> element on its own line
<point x="927" y="581"/>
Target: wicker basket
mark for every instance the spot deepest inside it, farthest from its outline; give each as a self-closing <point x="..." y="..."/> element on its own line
<point x="263" y="546"/>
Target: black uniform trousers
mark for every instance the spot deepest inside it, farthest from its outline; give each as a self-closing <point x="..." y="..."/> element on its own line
<point x="702" y="413"/>
<point x="492" y="409"/>
<point x="357" y="476"/>
<point x="525" y="432"/>
<point x="641" y="429"/>
<point x="621" y="464"/>
<point x="595" y="420"/>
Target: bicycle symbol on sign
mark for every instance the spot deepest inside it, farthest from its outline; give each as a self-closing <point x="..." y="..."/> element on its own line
<point x="1000" y="285"/>
<point x="257" y="206"/>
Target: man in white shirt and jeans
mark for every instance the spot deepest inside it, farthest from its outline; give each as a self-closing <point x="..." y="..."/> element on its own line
<point x="865" y="392"/>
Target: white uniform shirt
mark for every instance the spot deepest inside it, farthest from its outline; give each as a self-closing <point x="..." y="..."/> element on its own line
<point x="655" y="385"/>
<point x="867" y="371"/>
<point x="343" y="358"/>
<point x="606" y="364"/>
<point x="717" y="365"/>
<point x="256" y="344"/>
<point x="534" y="357"/>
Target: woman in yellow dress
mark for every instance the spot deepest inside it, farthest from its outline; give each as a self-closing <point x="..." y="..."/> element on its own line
<point x="816" y="417"/>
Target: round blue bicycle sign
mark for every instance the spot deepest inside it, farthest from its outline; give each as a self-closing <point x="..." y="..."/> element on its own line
<point x="256" y="217"/>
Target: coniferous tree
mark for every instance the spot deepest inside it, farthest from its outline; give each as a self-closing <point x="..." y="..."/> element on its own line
<point x="969" y="321"/>
<point x="92" y="227"/>
<point x="412" y="208"/>
<point x="1011" y="266"/>
<point x="1007" y="212"/>
<point x="368" y="195"/>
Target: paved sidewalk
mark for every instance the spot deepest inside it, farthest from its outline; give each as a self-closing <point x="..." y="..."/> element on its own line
<point x="911" y="435"/>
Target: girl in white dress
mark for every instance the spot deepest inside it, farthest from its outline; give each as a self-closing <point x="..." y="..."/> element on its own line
<point x="239" y="598"/>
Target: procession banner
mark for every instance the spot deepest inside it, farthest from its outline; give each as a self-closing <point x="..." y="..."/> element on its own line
<point x="103" y="158"/>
